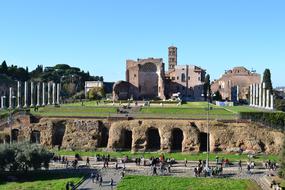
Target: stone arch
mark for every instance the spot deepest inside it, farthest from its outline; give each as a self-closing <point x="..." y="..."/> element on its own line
<point x="148" y="67"/>
<point x="104" y="136"/>
<point x="177" y="138"/>
<point x="35" y="137"/>
<point x="127" y="139"/>
<point x="204" y="138"/>
<point x="15" y="134"/>
<point x="153" y="139"/>
<point x="58" y="133"/>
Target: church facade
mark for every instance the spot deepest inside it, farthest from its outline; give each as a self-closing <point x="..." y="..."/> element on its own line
<point x="147" y="79"/>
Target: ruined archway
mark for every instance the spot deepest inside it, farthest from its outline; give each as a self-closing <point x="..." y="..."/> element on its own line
<point x="104" y="136"/>
<point x="35" y="137"/>
<point x="176" y="139"/>
<point x="153" y="139"/>
<point x="204" y="139"/>
<point x="15" y="134"/>
<point x="58" y="133"/>
<point x="127" y="137"/>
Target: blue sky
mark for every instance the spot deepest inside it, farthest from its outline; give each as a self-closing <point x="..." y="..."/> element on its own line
<point x="99" y="36"/>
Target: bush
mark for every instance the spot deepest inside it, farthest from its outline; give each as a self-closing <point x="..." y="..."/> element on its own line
<point x="23" y="156"/>
<point x="96" y="93"/>
<point x="272" y="119"/>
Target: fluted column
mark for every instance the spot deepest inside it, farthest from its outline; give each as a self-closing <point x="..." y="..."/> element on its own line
<point x="26" y="94"/>
<point x="48" y="96"/>
<point x="44" y="93"/>
<point x="10" y="97"/>
<point x="32" y="94"/>
<point x="263" y="95"/>
<point x="254" y="94"/>
<point x="260" y="95"/>
<point x="267" y="99"/>
<point x="57" y="93"/>
<point x="19" y="99"/>
<point x="3" y="101"/>
<point x="53" y="93"/>
<point x="38" y="94"/>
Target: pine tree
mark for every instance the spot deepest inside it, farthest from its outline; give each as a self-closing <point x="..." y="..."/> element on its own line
<point x="4" y="67"/>
<point x="267" y="80"/>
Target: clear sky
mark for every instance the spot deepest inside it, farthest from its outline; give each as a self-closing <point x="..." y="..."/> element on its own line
<point x="99" y="36"/>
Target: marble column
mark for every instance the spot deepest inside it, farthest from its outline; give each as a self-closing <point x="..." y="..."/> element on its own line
<point x="57" y="93"/>
<point x="32" y="94"/>
<point x="271" y="102"/>
<point x="10" y="97"/>
<point x="19" y="98"/>
<point x="26" y="95"/>
<point x="44" y="93"/>
<point x="251" y="95"/>
<point x="267" y="99"/>
<point x="237" y="93"/>
<point x="260" y="95"/>
<point x="53" y="93"/>
<point x="38" y="94"/>
<point x="254" y="94"/>
<point x="3" y="102"/>
<point x="263" y="95"/>
<point x="48" y="95"/>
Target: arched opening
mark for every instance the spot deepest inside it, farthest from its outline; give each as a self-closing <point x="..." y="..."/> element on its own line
<point x="203" y="141"/>
<point x="15" y="134"/>
<point x="177" y="138"/>
<point x="58" y="134"/>
<point x="153" y="139"/>
<point x="127" y="137"/>
<point x="36" y="137"/>
<point x="104" y="137"/>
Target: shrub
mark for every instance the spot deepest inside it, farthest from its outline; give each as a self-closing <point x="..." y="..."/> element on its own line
<point x="96" y="93"/>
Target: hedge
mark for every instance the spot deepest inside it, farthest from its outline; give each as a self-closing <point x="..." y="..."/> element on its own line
<point x="272" y="119"/>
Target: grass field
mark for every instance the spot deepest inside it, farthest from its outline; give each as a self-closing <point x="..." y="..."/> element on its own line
<point x="179" y="183"/>
<point x="176" y="156"/>
<point x="42" y="181"/>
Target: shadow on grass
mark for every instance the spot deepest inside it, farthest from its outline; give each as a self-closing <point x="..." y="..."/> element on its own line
<point x="42" y="175"/>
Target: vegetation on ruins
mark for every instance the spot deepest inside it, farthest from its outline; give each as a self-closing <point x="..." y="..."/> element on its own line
<point x="23" y="156"/>
<point x="267" y="80"/>
<point x="183" y="183"/>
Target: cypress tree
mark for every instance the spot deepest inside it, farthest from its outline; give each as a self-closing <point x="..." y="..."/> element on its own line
<point x="267" y="80"/>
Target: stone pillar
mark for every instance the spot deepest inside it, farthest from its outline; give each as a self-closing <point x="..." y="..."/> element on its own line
<point x="3" y="102"/>
<point x="38" y="94"/>
<point x="237" y="93"/>
<point x="19" y="99"/>
<point x="250" y="94"/>
<point x="32" y="94"/>
<point x="271" y="102"/>
<point x="57" y="93"/>
<point x="48" y="96"/>
<point x="267" y="99"/>
<point x="254" y="94"/>
<point x="26" y="95"/>
<point x="10" y="97"/>
<point x="53" y="93"/>
<point x="260" y="95"/>
<point x="263" y="95"/>
<point x="44" y="93"/>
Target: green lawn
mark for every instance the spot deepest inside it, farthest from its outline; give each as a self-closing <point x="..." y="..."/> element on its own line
<point x="74" y="111"/>
<point x="41" y="181"/>
<point x="180" y="183"/>
<point x="238" y="109"/>
<point x="176" y="156"/>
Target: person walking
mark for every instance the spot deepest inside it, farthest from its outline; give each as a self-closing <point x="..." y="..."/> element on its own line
<point x="240" y="166"/>
<point x="100" y="181"/>
<point x="112" y="183"/>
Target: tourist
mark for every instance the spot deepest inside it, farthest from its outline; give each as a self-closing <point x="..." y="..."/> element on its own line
<point x="154" y="171"/>
<point x="169" y="168"/>
<point x="117" y="165"/>
<point x="122" y="174"/>
<point x="93" y="177"/>
<point x="87" y="161"/>
<point x="100" y="181"/>
<point x="67" y="186"/>
<point x="240" y="166"/>
<point x="97" y="178"/>
<point x="248" y="168"/>
<point x="112" y="183"/>
<point x="185" y="162"/>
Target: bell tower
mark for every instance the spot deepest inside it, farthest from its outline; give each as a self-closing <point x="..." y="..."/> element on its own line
<point x="172" y="57"/>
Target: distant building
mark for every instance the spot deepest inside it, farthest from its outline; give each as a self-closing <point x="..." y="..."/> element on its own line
<point x="92" y="84"/>
<point x="234" y="84"/>
<point x="146" y="79"/>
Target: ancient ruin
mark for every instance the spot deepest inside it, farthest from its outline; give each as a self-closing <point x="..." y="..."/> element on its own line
<point x="145" y="135"/>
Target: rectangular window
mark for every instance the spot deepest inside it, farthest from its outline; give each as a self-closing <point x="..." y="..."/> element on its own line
<point x="177" y="78"/>
<point x="188" y="78"/>
<point x="199" y="78"/>
<point x="135" y="75"/>
<point x="173" y="78"/>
